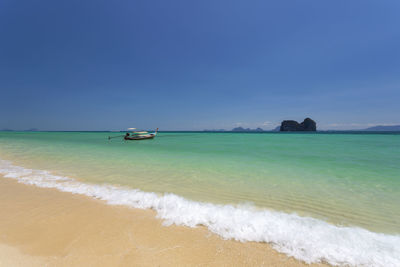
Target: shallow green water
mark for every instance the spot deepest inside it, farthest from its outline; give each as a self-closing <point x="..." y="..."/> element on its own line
<point x="347" y="179"/>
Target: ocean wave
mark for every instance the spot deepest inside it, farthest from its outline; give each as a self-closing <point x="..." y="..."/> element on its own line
<point x="306" y="239"/>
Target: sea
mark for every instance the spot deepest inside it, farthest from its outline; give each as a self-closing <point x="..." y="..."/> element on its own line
<point x="330" y="197"/>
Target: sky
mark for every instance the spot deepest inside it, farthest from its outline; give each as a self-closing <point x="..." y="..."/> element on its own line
<point x="194" y="65"/>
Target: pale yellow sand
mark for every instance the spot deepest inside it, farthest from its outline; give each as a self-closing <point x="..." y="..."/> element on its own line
<point x="40" y="227"/>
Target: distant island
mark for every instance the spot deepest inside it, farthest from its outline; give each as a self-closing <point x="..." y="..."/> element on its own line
<point x="286" y="126"/>
<point x="241" y="129"/>
<point x="379" y="128"/>
<point x="308" y="125"/>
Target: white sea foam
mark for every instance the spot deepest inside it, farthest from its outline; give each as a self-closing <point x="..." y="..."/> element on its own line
<point x="303" y="238"/>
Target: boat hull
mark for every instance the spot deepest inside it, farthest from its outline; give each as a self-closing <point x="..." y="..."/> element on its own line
<point x="139" y="137"/>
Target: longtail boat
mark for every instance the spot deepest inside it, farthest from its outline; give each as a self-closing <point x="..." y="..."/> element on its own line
<point x="135" y="135"/>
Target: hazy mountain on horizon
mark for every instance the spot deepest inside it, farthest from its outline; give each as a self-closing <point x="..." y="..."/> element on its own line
<point x="241" y="129"/>
<point x="383" y="128"/>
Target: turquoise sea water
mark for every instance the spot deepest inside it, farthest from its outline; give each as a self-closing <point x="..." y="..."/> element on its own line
<point x="344" y="179"/>
<point x="351" y="179"/>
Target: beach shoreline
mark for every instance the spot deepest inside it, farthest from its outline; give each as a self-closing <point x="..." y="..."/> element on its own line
<point x="45" y="226"/>
<point x="313" y="215"/>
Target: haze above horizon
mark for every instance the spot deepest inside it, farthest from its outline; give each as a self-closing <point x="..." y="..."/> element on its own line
<point x="183" y="65"/>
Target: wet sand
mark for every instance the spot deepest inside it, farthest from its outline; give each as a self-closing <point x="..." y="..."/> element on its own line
<point x="40" y="227"/>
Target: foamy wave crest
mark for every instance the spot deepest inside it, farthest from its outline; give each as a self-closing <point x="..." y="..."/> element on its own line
<point x="306" y="239"/>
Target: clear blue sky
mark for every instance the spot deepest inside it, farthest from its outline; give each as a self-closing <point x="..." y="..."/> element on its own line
<point x="99" y="65"/>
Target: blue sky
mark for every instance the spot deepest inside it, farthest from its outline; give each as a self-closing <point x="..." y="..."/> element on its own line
<point x="176" y="65"/>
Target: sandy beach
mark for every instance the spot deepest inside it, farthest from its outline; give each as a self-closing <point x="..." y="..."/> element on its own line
<point x="46" y="227"/>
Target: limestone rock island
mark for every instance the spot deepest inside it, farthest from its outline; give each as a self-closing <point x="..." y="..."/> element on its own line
<point x="308" y="125"/>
